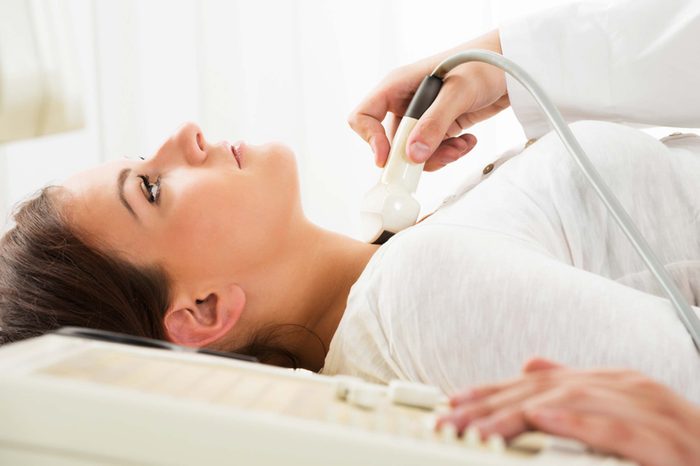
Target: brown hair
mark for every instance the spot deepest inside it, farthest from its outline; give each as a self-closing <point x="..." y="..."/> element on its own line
<point x="50" y="277"/>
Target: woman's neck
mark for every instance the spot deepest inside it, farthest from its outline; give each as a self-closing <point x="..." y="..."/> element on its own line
<point x="338" y="261"/>
<point x="350" y="257"/>
<point x="312" y="273"/>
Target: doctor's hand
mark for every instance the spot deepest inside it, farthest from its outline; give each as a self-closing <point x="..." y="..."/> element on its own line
<point x="471" y="92"/>
<point x="617" y="411"/>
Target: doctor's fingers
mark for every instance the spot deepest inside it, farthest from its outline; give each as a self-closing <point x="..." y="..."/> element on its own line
<point x="392" y="94"/>
<point x="467" y="120"/>
<point x="506" y="412"/>
<point x="465" y="99"/>
<point x="642" y="444"/>
<point x="604" y="419"/>
<point x="506" y="406"/>
<point x="504" y="401"/>
<point x="450" y="150"/>
<point x="366" y="121"/>
<point x="613" y="421"/>
<point x="541" y="380"/>
<point x="451" y="102"/>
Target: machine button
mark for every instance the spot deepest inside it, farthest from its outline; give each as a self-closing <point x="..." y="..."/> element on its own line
<point x="448" y="433"/>
<point x="415" y="394"/>
<point x="343" y="384"/>
<point x="496" y="443"/>
<point x="472" y="437"/>
<point x="365" y="395"/>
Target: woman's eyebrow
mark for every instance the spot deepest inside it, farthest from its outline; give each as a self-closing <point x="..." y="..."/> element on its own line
<point x="123" y="175"/>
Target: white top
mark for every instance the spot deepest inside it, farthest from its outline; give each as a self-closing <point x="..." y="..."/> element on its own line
<point x="525" y="259"/>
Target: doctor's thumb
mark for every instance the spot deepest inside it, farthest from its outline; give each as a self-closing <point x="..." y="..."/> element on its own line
<point x="425" y="139"/>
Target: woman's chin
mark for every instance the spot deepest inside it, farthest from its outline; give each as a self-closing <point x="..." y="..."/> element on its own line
<point x="280" y="148"/>
<point x="281" y="155"/>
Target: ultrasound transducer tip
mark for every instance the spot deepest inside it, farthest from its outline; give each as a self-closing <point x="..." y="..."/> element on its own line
<point x="389" y="206"/>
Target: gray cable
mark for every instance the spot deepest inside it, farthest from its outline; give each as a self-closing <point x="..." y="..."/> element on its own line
<point x="683" y="309"/>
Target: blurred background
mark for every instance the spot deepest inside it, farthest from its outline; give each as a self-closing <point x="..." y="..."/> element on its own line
<point x="258" y="70"/>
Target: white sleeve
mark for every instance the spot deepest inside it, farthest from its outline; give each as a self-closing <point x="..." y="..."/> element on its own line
<point x="626" y="61"/>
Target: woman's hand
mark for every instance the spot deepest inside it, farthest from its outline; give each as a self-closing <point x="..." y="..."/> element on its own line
<point x="617" y="411"/>
<point x="471" y="92"/>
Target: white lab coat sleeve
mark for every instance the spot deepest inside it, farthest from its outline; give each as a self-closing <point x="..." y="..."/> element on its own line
<point x="626" y="61"/>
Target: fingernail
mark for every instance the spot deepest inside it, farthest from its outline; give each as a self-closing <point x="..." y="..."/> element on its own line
<point x="418" y="152"/>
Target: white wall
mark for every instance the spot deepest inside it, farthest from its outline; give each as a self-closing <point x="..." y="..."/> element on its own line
<point x="29" y="164"/>
<point x="259" y="70"/>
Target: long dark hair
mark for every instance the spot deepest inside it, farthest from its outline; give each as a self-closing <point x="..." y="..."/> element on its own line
<point x="50" y="277"/>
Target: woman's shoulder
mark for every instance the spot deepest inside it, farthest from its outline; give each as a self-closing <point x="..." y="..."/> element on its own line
<point x="430" y="259"/>
<point x="402" y="269"/>
<point x="385" y="303"/>
<point x="419" y="245"/>
<point x="435" y="243"/>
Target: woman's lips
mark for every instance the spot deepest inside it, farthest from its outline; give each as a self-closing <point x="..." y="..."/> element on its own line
<point x="237" y="151"/>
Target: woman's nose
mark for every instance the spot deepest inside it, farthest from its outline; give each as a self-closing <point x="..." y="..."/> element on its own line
<point x="189" y="141"/>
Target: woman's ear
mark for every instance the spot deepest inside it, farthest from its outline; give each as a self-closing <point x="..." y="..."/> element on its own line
<point x="199" y="321"/>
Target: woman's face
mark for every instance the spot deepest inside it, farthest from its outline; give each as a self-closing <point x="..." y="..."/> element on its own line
<point x="209" y="222"/>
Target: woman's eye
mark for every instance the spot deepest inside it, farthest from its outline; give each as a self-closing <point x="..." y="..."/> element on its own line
<point x="150" y="190"/>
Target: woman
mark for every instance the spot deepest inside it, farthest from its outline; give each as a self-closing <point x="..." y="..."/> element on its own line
<point x="186" y="245"/>
<point x="213" y="249"/>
